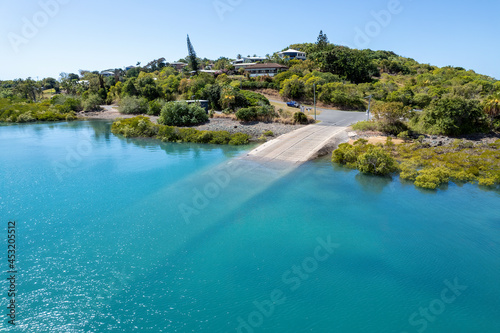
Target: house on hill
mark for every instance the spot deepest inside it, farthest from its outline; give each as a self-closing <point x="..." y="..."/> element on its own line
<point x="107" y="73"/>
<point x="178" y="65"/>
<point x="248" y="60"/>
<point x="292" y="54"/>
<point x="269" y="69"/>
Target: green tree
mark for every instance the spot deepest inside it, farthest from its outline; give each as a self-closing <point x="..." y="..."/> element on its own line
<point x="453" y="116"/>
<point x="353" y="65"/>
<point x="129" y="88"/>
<point x="222" y="63"/>
<point x="322" y="40"/>
<point x="182" y="114"/>
<point x="148" y="87"/>
<point x="27" y="89"/>
<point x="193" y="60"/>
<point x="293" y="87"/>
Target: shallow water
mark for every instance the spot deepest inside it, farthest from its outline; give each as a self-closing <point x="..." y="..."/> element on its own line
<point x="134" y="235"/>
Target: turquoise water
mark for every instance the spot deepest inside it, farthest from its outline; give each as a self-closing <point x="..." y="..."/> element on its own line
<point x="119" y="235"/>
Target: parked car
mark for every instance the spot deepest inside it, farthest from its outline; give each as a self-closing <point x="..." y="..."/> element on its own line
<point x="293" y="104"/>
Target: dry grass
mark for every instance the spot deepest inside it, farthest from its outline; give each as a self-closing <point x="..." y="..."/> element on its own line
<point x="293" y="110"/>
<point x="380" y="139"/>
<point x="231" y="116"/>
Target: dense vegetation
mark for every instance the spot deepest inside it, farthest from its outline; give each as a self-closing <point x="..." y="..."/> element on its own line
<point x="142" y="126"/>
<point x="19" y="111"/>
<point x="427" y="167"/>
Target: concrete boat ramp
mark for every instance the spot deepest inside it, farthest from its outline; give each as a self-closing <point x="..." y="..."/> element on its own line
<point x="300" y="145"/>
<point x="306" y="143"/>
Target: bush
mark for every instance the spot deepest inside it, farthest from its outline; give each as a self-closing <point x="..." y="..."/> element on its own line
<point x="247" y="114"/>
<point x="432" y="178"/>
<point x="239" y="139"/>
<point x="393" y="128"/>
<point x="221" y="137"/>
<point x="68" y="103"/>
<point x="25" y="118"/>
<point x="422" y="100"/>
<point x="390" y="117"/>
<point x="255" y="84"/>
<point x="377" y="161"/>
<point x="405" y="136"/>
<point x="300" y="118"/>
<point x="182" y="114"/>
<point x="365" y="126"/>
<point x="133" y="105"/>
<point x="347" y="154"/>
<point x="255" y="99"/>
<point x="268" y="133"/>
<point x="139" y="126"/>
<point x="92" y="103"/>
<point x="231" y="98"/>
<point x="154" y="107"/>
<point x="263" y="113"/>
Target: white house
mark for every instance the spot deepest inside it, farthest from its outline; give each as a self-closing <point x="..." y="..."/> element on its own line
<point x="107" y="73"/>
<point x="243" y="65"/>
<point x="292" y="54"/>
<point x="269" y="69"/>
<point x="248" y="60"/>
<point x="177" y="65"/>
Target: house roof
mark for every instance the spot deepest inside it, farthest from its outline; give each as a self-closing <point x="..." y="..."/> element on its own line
<point x="255" y="58"/>
<point x="244" y="64"/>
<point x="291" y="51"/>
<point x="266" y="65"/>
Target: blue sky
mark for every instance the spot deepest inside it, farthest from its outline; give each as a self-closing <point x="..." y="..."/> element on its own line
<point x="41" y="38"/>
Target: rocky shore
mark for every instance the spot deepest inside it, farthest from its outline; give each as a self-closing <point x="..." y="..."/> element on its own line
<point x="432" y="140"/>
<point x="254" y="129"/>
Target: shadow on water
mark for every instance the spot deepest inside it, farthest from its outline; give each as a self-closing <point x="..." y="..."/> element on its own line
<point x="341" y="168"/>
<point x="176" y="148"/>
<point x="372" y="183"/>
<point x="102" y="129"/>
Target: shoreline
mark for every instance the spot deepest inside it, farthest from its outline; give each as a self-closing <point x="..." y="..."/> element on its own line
<point x="253" y="128"/>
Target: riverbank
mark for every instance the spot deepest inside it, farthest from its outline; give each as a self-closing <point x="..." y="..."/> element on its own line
<point x="428" y="162"/>
<point x="254" y="129"/>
